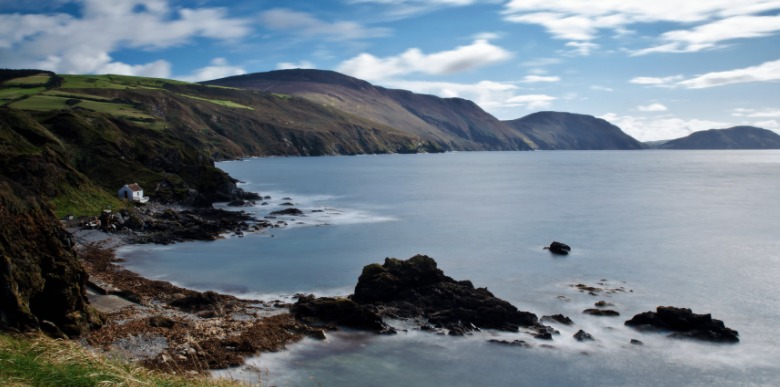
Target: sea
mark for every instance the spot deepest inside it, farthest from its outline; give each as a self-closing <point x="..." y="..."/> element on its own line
<point x="693" y="229"/>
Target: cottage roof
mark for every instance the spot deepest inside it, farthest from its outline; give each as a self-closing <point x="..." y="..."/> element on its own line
<point x="134" y="187"/>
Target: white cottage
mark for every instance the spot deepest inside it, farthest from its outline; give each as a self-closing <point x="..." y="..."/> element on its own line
<point x="133" y="192"/>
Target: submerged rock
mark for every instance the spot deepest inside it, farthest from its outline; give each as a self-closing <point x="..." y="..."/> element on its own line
<point x="583" y="336"/>
<point x="559" y="318"/>
<point x="288" y="211"/>
<point x="601" y="312"/>
<point x="514" y="343"/>
<point x="683" y="323"/>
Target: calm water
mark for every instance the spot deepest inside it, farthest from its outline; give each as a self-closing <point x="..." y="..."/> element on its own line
<point x="695" y="229"/>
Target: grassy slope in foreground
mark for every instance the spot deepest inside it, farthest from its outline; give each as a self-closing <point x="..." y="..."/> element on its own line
<point x="34" y="360"/>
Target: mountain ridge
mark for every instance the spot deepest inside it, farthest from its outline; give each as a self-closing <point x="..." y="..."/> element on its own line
<point x="736" y="137"/>
<point x="452" y="123"/>
<point x="571" y="131"/>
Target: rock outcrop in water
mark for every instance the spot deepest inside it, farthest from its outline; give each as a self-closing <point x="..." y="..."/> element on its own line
<point x="417" y="289"/>
<point x="683" y="323"/>
<point x="559" y="248"/>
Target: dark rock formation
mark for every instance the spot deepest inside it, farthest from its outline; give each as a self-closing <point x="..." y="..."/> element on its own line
<point x="559" y="248"/>
<point x="601" y="312"/>
<point x="340" y="311"/>
<point x="559" y="318"/>
<point x="288" y="211"/>
<point x="42" y="282"/>
<point x="544" y="332"/>
<point x="683" y="323"/>
<point x="583" y="336"/>
<point x="514" y="343"/>
<point x="416" y="288"/>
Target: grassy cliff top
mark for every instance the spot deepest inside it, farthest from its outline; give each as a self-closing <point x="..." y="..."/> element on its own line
<point x="36" y="360"/>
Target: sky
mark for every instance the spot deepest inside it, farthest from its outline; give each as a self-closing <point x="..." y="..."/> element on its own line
<point x="658" y="69"/>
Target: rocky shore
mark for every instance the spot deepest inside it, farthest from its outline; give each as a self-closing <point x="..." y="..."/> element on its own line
<point x="170" y="328"/>
<point x="166" y="327"/>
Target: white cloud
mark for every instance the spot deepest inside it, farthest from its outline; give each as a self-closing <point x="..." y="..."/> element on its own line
<point x="661" y="128"/>
<point x="68" y="44"/>
<point x="487" y="36"/>
<point x="463" y="58"/>
<point x="306" y="25"/>
<point x="531" y="101"/>
<point x="494" y="97"/>
<point x="765" y="72"/>
<point x="219" y="68"/>
<point x="601" y="88"/>
<point x="581" y="48"/>
<point x="541" y="62"/>
<point x="708" y="36"/>
<point x="772" y="125"/>
<point x="539" y="78"/>
<point x="656" y="81"/>
<point x="653" y="107"/>
<point x="156" y="69"/>
<point x="409" y="8"/>
<point x="711" y="21"/>
<point x="755" y="113"/>
<point x="300" y="65"/>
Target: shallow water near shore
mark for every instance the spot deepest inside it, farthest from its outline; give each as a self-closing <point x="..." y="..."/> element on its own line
<point x="694" y="229"/>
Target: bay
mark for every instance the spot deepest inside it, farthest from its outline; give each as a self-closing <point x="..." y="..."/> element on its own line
<point x="693" y="229"/>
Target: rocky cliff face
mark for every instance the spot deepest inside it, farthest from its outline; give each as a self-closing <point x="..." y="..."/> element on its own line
<point x="42" y="283"/>
<point x="556" y="130"/>
<point x="738" y="137"/>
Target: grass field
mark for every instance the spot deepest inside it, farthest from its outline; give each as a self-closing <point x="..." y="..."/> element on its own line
<point x="50" y="101"/>
<point x="220" y="102"/>
<point x="41" y="103"/>
<point x="27" y="360"/>
<point x="114" y="82"/>
<point x="9" y="94"/>
<point x="39" y="79"/>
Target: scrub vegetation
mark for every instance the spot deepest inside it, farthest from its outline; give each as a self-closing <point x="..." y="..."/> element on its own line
<point x="36" y="360"/>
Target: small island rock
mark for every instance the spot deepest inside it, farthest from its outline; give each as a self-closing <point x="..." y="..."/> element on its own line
<point x="683" y="323"/>
<point x="559" y="248"/>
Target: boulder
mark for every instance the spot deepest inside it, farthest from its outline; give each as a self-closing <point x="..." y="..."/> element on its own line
<point x="559" y="318"/>
<point x="583" y="336"/>
<point x="683" y="323"/>
<point x="601" y="312"/>
<point x="341" y="311"/>
<point x="514" y="343"/>
<point x="416" y="288"/>
<point x="288" y="211"/>
<point x="559" y="248"/>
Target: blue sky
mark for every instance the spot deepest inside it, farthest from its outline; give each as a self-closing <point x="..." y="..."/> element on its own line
<point x="658" y="69"/>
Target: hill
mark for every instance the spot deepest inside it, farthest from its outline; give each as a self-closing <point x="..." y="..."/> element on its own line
<point x="559" y="131"/>
<point x="449" y="123"/>
<point x="738" y="137"/>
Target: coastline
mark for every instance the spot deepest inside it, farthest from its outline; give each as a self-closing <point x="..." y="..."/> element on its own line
<point x="162" y="326"/>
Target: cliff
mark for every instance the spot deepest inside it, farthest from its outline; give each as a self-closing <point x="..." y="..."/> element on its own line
<point x="448" y="123"/>
<point x="43" y="283"/>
